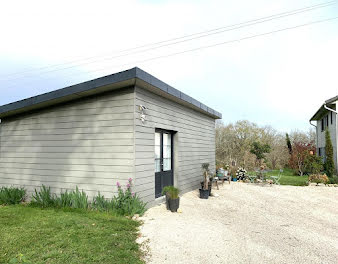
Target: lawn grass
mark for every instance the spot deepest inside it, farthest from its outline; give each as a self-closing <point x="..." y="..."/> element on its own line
<point x="66" y="236"/>
<point x="289" y="177"/>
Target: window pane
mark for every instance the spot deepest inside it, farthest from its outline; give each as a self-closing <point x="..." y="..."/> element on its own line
<point x="166" y="164"/>
<point x="166" y="152"/>
<point x="157" y="165"/>
<point x="157" y="139"/>
<point x="166" y="145"/>
<point x="157" y="152"/>
<point x="157" y="145"/>
<point x="166" y="139"/>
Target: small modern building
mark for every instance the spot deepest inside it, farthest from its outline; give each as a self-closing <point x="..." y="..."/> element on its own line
<point x="326" y="117"/>
<point x="97" y="133"/>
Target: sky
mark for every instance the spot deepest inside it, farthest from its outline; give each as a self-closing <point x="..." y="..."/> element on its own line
<point x="279" y="79"/>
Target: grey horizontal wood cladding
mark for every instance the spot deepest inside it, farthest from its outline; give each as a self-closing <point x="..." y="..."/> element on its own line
<point x="194" y="142"/>
<point x="96" y="141"/>
<point x="87" y="143"/>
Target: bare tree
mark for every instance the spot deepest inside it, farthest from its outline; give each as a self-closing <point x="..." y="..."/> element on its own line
<point x="234" y="140"/>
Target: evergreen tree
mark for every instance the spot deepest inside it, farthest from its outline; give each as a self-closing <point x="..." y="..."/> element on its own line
<point x="259" y="150"/>
<point x="329" y="163"/>
<point x="288" y="143"/>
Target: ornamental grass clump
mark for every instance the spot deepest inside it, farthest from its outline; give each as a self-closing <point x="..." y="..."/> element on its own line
<point x="125" y="203"/>
<point x="73" y="199"/>
<point x="12" y="195"/>
<point x="79" y="199"/>
<point x="44" y="198"/>
<point x="171" y="191"/>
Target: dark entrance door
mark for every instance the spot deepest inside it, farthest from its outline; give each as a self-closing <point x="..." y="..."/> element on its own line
<point x="163" y="160"/>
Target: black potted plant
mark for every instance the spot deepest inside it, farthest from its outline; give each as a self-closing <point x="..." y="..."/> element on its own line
<point x="204" y="191"/>
<point x="209" y="185"/>
<point x="172" y="198"/>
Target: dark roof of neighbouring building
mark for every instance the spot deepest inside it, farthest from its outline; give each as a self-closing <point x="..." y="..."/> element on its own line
<point x="134" y="76"/>
<point x="321" y="111"/>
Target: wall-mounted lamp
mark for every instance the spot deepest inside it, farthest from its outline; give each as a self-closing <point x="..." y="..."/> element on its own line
<point x="142" y="108"/>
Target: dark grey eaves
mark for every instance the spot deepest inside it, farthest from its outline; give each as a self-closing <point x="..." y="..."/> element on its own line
<point x="99" y="85"/>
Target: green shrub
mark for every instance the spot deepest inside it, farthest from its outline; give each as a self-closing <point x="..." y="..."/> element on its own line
<point x="313" y="164"/>
<point x="44" y="197"/>
<point x="12" y="195"/>
<point x="333" y="180"/>
<point x="329" y="161"/>
<point x="318" y="178"/>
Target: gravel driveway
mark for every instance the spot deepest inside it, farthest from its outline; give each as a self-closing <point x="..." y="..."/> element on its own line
<point x="247" y="223"/>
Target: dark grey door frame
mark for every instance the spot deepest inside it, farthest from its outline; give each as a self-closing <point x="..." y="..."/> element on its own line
<point x="164" y="178"/>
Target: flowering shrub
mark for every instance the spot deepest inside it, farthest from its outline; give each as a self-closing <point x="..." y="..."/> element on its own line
<point x="318" y="178"/>
<point x="127" y="202"/>
<point x="241" y="173"/>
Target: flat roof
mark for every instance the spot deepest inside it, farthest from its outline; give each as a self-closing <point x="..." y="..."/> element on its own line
<point x="131" y="77"/>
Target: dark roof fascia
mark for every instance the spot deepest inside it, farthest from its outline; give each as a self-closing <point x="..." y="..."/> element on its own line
<point x="100" y="85"/>
<point x="172" y="93"/>
<point x="318" y="114"/>
<point x="321" y="111"/>
<point x="331" y="100"/>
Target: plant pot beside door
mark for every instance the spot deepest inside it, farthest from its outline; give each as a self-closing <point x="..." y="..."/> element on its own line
<point x="174" y="204"/>
<point x="204" y="194"/>
<point x="209" y="186"/>
<point x="172" y="199"/>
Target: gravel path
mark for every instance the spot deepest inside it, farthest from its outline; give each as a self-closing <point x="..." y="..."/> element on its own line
<point x="247" y="223"/>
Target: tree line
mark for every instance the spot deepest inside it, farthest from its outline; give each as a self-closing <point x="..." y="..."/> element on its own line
<point x="245" y="144"/>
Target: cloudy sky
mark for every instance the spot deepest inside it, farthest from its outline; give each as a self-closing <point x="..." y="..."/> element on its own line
<point x="277" y="79"/>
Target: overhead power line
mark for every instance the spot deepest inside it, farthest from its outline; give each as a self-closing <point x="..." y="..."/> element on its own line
<point x="210" y="46"/>
<point x="170" y="42"/>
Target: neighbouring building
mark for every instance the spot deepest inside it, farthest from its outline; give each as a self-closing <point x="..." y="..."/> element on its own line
<point x="97" y="133"/>
<point x="326" y="118"/>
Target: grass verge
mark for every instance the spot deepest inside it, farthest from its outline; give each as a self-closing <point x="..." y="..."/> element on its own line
<point x="67" y="236"/>
<point x="289" y="177"/>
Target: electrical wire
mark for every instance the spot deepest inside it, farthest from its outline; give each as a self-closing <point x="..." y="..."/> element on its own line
<point x="190" y="37"/>
<point x="207" y="46"/>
